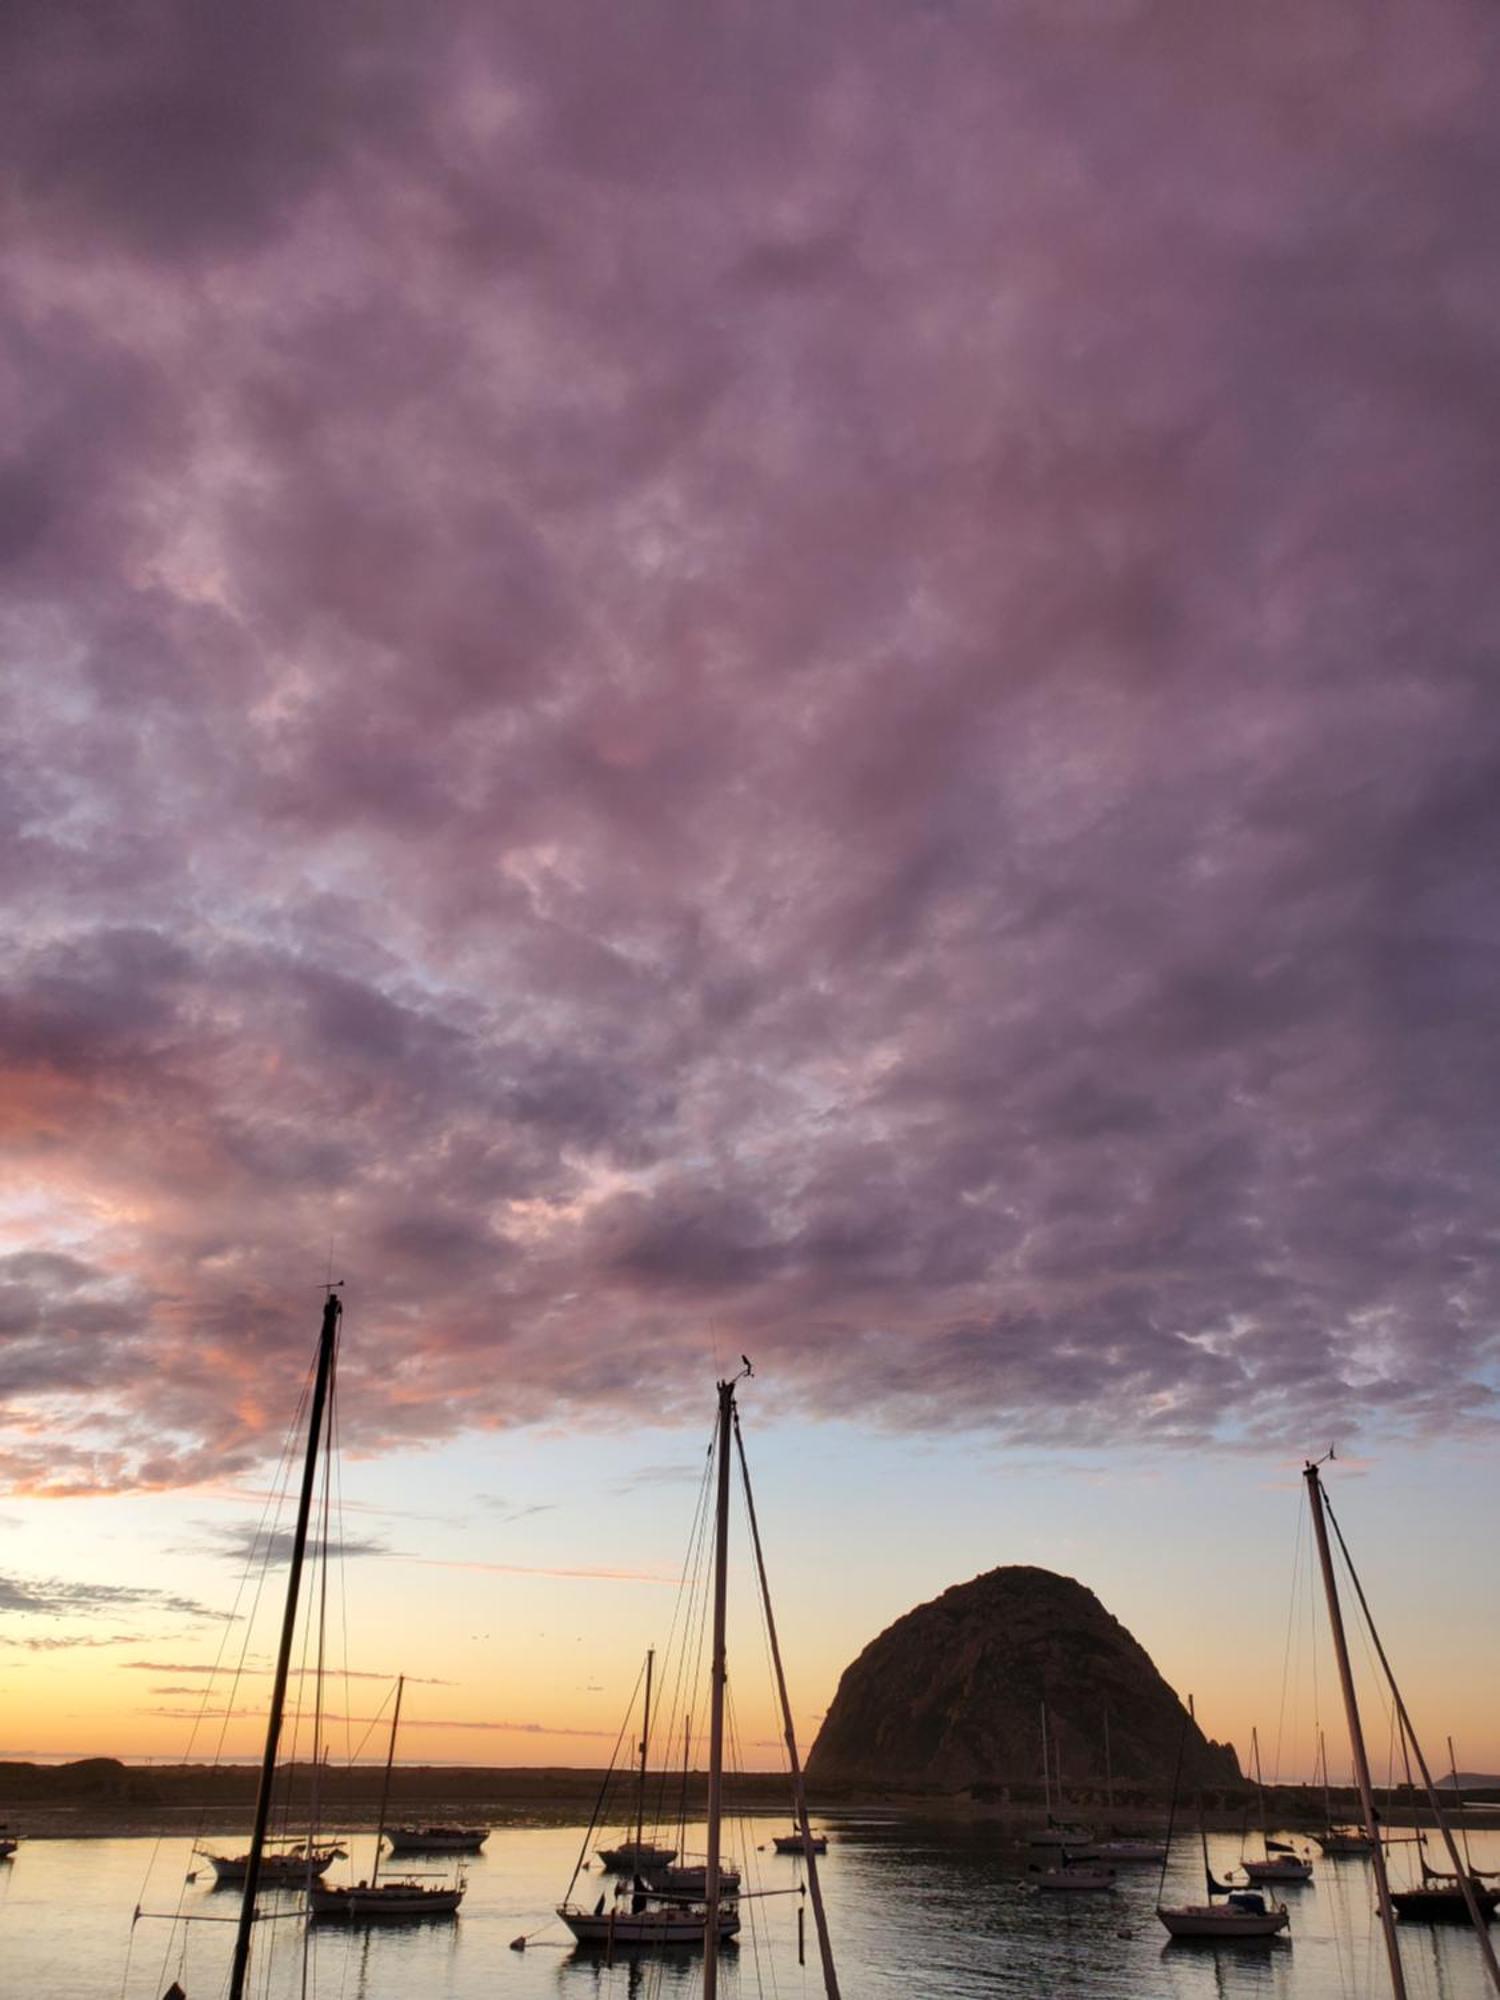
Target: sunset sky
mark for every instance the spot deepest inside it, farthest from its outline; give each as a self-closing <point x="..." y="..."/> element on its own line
<point x="683" y="679"/>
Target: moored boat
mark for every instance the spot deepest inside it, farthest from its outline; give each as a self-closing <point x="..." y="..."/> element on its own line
<point x="794" y="1843"/>
<point x="1073" y="1877"/>
<point x="281" y="1867"/>
<point x="670" y="1924"/>
<point x="436" y="1839"/>
<point x="384" y="1902"/>
<point x="1244" y="1913"/>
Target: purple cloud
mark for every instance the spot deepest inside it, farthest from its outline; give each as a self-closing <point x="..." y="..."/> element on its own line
<point x="829" y="677"/>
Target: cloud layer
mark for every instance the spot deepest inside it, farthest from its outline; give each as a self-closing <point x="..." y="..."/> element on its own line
<point x="814" y="678"/>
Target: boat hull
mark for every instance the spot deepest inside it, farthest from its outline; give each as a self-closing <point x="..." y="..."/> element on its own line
<point x="630" y="1858"/>
<point x="277" y="1871"/>
<point x="690" y="1881"/>
<point x="1287" y="1869"/>
<point x="616" y="1929"/>
<point x="386" y="1903"/>
<point x="1128" y="1851"/>
<point x="436" y="1839"/>
<point x="793" y="1843"/>
<point x="1442" y="1906"/>
<point x="1213" y="1921"/>
<point x="1075" y="1881"/>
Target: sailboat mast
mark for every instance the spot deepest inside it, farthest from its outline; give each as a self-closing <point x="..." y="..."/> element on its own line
<point x="1046" y="1768"/>
<point x="1409" y="1735"/>
<point x="1208" y="1873"/>
<point x="385" y="1786"/>
<point x="799" y="1788"/>
<point x="327" y="1344"/>
<point x="640" y="1802"/>
<point x="718" y="1678"/>
<point x="1356" y="1734"/>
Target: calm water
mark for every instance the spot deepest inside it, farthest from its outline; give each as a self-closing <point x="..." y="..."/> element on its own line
<point x="923" y="1910"/>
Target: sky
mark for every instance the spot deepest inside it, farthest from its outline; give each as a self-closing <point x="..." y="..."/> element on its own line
<point x="683" y="680"/>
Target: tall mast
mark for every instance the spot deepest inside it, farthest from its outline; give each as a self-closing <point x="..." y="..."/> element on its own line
<point x="1409" y="1735"/>
<point x="718" y="1678"/>
<point x="1356" y="1733"/>
<point x="799" y="1789"/>
<point x="1046" y="1768"/>
<point x="1208" y="1873"/>
<point x="327" y="1345"/>
<point x="640" y="1802"/>
<point x="385" y="1786"/>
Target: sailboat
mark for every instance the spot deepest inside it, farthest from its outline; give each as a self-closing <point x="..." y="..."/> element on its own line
<point x="715" y="1921"/>
<point x="284" y="1864"/>
<point x="1281" y="1863"/>
<point x="689" y="1878"/>
<point x="630" y="1857"/>
<point x="1388" y="1902"/>
<point x="1056" y="1832"/>
<point x="256" y="1872"/>
<point x="1338" y="1840"/>
<point x="8" y="1844"/>
<point x="1243" y="1913"/>
<point x="401" y="1899"/>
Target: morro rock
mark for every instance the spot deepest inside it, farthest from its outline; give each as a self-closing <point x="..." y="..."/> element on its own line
<point x="951" y="1696"/>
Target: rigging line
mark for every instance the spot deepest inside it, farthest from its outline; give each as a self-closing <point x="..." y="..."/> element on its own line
<point x="1286" y="1650"/>
<point x="1465" y="1883"/>
<point x="583" y="1852"/>
<point x="273" y="1500"/>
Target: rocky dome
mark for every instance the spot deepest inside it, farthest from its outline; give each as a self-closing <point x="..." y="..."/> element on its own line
<point x="951" y="1696"/>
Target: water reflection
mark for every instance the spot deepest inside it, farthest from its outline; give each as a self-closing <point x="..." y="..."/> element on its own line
<point x="940" y="1909"/>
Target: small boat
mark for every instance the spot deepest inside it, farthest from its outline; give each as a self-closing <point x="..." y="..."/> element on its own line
<point x="8" y="1845"/>
<point x="1440" y="1900"/>
<point x="1281" y="1863"/>
<point x="1243" y="1913"/>
<point x="793" y="1843"/>
<point x="1279" y="1868"/>
<point x="1071" y="1877"/>
<point x="1128" y="1850"/>
<point x="691" y="1879"/>
<point x="384" y="1902"/>
<point x="1344" y="1840"/>
<point x="655" y="1924"/>
<point x="639" y="1856"/>
<point x="436" y="1839"/>
<point x="281" y="1867"/>
<point x="398" y="1899"/>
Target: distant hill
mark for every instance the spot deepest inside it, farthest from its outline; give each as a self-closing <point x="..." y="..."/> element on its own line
<point x="950" y="1697"/>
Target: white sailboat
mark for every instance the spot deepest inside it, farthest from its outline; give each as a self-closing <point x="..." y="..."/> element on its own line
<point x="1240" y="1913"/>
<point x="1281" y="1863"/>
<point x="400" y="1899"/>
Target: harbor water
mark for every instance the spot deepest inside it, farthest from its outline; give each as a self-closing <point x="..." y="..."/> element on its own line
<point x="923" y="1910"/>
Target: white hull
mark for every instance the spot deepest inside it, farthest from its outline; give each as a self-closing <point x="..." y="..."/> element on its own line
<point x="666" y="1926"/>
<point x="387" y="1902"/>
<point x="1214" y="1920"/>
<point x="792" y="1843"/>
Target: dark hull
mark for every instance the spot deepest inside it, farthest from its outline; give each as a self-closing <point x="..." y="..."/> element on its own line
<point x="1442" y="1906"/>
